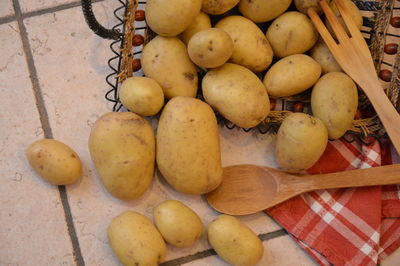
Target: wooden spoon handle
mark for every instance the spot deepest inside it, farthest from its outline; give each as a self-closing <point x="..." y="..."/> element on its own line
<point x="383" y="175"/>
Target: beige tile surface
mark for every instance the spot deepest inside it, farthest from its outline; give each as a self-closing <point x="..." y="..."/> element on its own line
<point x="32" y="225"/>
<point x="392" y="260"/>
<point x="33" y="5"/>
<point x="6" y="8"/>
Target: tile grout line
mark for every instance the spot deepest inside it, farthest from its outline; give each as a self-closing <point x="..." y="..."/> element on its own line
<point x="211" y="252"/>
<point x="44" y="119"/>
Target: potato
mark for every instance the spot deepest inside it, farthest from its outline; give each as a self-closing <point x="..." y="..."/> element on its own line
<point x="261" y="10"/>
<point x="236" y="93"/>
<point x="354" y="13"/>
<point x="188" y="149"/>
<point x="218" y="7"/>
<point x="171" y="17"/>
<point x="142" y="95"/>
<point x="291" y="33"/>
<point x="334" y="100"/>
<point x="54" y="161"/>
<point x="201" y="22"/>
<point x="320" y="53"/>
<point x="178" y="224"/>
<point x="250" y="46"/>
<point x="210" y="48"/>
<point x="234" y="241"/>
<point x="300" y="142"/>
<point x="292" y="75"/>
<point x="304" y="5"/>
<point x="122" y="147"/>
<point x="135" y="240"/>
<point x="166" y="60"/>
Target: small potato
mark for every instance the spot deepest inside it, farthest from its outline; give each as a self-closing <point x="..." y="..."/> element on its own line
<point x="261" y="10"/>
<point x="142" y="95"/>
<point x="218" y="7"/>
<point x="304" y="5"/>
<point x="354" y="13"/>
<point x="166" y="60"/>
<point x="237" y="93"/>
<point x="201" y="22"/>
<point x="234" y="241"/>
<point x="54" y="161"/>
<point x="188" y="148"/>
<point x="251" y="48"/>
<point x="292" y="75"/>
<point x="135" y="241"/>
<point x="210" y="48"/>
<point x="300" y="142"/>
<point x="324" y="57"/>
<point x="122" y="147"/>
<point x="291" y="33"/>
<point x="334" y="100"/>
<point x="178" y="224"/>
<point x="169" y="18"/>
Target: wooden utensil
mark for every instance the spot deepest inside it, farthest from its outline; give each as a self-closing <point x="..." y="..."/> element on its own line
<point x="354" y="57"/>
<point x="248" y="189"/>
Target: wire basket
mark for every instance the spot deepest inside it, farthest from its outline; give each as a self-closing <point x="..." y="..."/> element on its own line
<point x="381" y="28"/>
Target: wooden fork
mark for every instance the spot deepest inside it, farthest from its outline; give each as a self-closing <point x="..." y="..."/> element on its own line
<point x="354" y="57"/>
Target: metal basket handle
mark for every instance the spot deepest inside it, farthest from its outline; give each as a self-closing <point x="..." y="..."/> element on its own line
<point x="95" y="26"/>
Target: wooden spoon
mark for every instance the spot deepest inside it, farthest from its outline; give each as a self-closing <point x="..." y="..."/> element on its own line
<point x="248" y="189"/>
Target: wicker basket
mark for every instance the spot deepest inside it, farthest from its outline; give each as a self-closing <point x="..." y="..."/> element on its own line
<point x="381" y="29"/>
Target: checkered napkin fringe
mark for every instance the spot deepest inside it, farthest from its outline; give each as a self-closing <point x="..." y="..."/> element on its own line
<point x="346" y="226"/>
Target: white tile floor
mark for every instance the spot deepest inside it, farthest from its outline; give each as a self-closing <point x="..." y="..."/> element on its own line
<point x="70" y="62"/>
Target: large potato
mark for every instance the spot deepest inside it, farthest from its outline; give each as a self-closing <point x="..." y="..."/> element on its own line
<point x="135" y="241"/>
<point x="304" y="5"/>
<point x="300" y="142"/>
<point x="292" y="75"/>
<point x="142" y="95"/>
<point x="122" y="147"/>
<point x="320" y="53"/>
<point x="201" y="22"/>
<point x="166" y="60"/>
<point x="234" y="241"/>
<point x="291" y="33"/>
<point x="250" y="46"/>
<point x="210" y="48"/>
<point x="54" y="161"/>
<point x="178" y="224"/>
<point x="237" y="93"/>
<point x="218" y="7"/>
<point x="171" y="17"/>
<point x="188" y="149"/>
<point x="334" y="100"/>
<point x="261" y="10"/>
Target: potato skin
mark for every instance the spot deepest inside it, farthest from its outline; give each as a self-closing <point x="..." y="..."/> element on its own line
<point x="292" y="75"/>
<point x="261" y="11"/>
<point x="218" y="7"/>
<point x="188" y="149"/>
<point x="251" y="48"/>
<point x="122" y="147"/>
<point x="334" y="100"/>
<point x="291" y="33"/>
<point x="179" y="225"/>
<point x="354" y="13"/>
<point x="142" y="95"/>
<point x="300" y="142"/>
<point x="54" y="161"/>
<point x="210" y="48"/>
<point x="320" y="53"/>
<point x="135" y="240"/>
<point x="166" y="60"/>
<point x="169" y="18"/>
<point x="304" y="5"/>
<point x="201" y="22"/>
<point x="236" y="93"/>
<point x="234" y="241"/>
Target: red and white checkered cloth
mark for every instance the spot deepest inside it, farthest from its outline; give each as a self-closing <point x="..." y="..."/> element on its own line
<point x="356" y="226"/>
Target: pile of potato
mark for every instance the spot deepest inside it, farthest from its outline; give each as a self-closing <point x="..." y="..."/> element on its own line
<point x="243" y="67"/>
